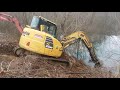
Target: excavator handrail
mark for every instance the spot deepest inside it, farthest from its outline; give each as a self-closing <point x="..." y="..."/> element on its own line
<point x="9" y="18"/>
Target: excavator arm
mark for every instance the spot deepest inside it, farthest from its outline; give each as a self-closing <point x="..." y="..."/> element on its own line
<point x="9" y="18"/>
<point x="68" y="40"/>
<point x="72" y="38"/>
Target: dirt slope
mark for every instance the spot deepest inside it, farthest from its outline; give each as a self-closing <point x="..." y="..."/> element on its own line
<point x="34" y="66"/>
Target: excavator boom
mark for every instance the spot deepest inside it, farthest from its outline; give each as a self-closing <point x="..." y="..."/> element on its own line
<point x="9" y="18"/>
<point x="70" y="39"/>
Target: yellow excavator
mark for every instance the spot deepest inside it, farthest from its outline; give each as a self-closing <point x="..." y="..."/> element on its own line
<point x="40" y="37"/>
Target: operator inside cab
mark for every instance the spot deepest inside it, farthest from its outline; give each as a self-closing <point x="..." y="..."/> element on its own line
<point x="43" y="28"/>
<point x="40" y="24"/>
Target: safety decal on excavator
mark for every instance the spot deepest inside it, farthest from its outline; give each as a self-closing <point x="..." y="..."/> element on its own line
<point x="38" y="36"/>
<point x="49" y="43"/>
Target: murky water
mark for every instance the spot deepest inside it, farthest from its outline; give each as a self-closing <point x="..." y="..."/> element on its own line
<point x="108" y="51"/>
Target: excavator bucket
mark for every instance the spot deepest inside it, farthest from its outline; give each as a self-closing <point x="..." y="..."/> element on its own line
<point x="94" y="57"/>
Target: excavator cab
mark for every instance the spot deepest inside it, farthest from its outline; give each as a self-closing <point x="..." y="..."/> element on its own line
<point x="42" y="24"/>
<point x="40" y="37"/>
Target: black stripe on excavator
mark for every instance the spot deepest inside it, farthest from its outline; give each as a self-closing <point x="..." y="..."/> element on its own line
<point x="49" y="39"/>
<point x="49" y="42"/>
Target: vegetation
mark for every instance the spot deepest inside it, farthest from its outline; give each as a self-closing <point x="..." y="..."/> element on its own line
<point x="99" y="23"/>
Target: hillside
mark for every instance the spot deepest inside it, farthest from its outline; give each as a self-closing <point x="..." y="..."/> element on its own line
<point x="34" y="66"/>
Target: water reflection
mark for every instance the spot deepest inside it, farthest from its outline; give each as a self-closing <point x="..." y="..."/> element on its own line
<point x="108" y="51"/>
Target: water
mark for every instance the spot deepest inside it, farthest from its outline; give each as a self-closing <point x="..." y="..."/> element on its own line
<point x="108" y="51"/>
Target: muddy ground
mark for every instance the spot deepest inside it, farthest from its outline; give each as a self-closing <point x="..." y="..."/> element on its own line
<point x="34" y="66"/>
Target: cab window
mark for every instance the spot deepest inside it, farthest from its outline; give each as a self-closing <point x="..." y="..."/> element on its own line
<point x="35" y="23"/>
<point x="52" y="30"/>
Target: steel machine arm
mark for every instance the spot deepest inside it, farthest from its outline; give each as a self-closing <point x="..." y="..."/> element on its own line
<point x="70" y="39"/>
<point x="9" y="18"/>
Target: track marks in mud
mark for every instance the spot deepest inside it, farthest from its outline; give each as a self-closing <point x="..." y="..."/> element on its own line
<point x="7" y="48"/>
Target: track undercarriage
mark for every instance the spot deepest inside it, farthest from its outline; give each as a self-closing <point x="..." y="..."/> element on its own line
<point x="18" y="51"/>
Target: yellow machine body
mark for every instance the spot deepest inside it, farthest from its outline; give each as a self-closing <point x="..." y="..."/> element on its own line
<point x="40" y="42"/>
